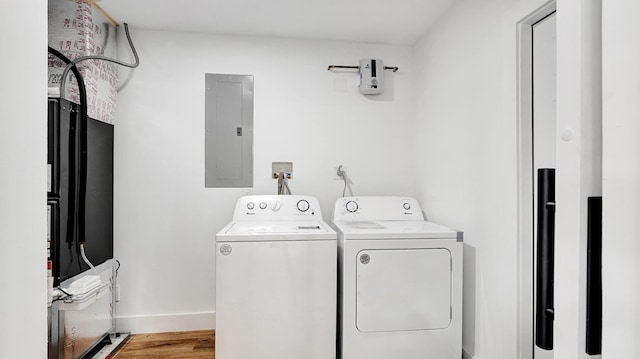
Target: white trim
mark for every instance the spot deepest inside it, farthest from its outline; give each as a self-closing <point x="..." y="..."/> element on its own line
<point x="179" y="322"/>
<point x="525" y="178"/>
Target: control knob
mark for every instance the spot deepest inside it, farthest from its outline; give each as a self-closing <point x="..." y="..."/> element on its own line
<point x="303" y="205"/>
<point x="275" y="206"/>
<point x="351" y="206"/>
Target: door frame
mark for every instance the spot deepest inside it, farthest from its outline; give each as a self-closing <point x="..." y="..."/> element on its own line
<point x="525" y="177"/>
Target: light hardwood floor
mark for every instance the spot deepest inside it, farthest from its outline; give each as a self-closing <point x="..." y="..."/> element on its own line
<point x="187" y="345"/>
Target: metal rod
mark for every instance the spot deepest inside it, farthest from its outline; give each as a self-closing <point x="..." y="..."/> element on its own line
<point x="394" y="68"/>
<point x="342" y="67"/>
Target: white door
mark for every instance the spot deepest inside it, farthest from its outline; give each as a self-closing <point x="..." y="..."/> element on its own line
<point x="573" y="144"/>
<point x="544" y="160"/>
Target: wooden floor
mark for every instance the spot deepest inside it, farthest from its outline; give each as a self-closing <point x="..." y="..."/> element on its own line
<point x="188" y="345"/>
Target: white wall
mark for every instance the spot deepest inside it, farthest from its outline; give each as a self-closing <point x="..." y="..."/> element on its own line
<point x="466" y="142"/>
<point x="166" y="221"/>
<point x="23" y="158"/>
<point x="621" y="179"/>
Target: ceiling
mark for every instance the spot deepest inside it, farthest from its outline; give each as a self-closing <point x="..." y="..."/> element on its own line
<point x="399" y="22"/>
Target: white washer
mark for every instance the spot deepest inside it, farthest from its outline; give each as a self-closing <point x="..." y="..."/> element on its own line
<point x="276" y="281"/>
<point x="400" y="281"/>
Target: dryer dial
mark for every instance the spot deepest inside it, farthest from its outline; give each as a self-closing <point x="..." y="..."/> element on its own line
<point x="351" y="206"/>
<point x="303" y="205"/>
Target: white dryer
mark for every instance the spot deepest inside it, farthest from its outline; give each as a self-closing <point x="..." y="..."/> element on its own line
<point x="276" y="281"/>
<point x="399" y="281"/>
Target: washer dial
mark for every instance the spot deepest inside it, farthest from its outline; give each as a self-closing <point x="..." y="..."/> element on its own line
<point x="275" y="206"/>
<point x="351" y="206"/>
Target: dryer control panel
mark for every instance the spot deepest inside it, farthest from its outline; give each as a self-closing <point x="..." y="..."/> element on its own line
<point x="377" y="208"/>
<point x="277" y="207"/>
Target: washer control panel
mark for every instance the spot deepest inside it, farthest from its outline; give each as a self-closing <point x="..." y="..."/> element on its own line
<point x="277" y="207"/>
<point x="377" y="208"/>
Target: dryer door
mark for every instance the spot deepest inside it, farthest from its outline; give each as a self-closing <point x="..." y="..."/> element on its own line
<point x="403" y="289"/>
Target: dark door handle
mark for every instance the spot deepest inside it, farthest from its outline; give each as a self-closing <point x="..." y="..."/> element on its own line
<point x="545" y="258"/>
<point x="594" y="276"/>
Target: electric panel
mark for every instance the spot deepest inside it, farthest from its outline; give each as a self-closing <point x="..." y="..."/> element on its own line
<point x="228" y="130"/>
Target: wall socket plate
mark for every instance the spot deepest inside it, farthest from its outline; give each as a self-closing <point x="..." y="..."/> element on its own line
<point x="282" y="167"/>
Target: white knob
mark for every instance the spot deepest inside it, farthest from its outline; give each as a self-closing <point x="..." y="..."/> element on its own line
<point x="406" y="206"/>
<point x="250" y="205"/>
<point x="275" y="206"/>
<point x="567" y="134"/>
<point x="351" y="206"/>
<point x="263" y="205"/>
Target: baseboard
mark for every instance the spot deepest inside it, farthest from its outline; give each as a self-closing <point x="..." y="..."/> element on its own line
<point x="163" y="323"/>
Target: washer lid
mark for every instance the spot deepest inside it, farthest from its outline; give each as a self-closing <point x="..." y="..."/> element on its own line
<point x="245" y="231"/>
<point x="393" y="230"/>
